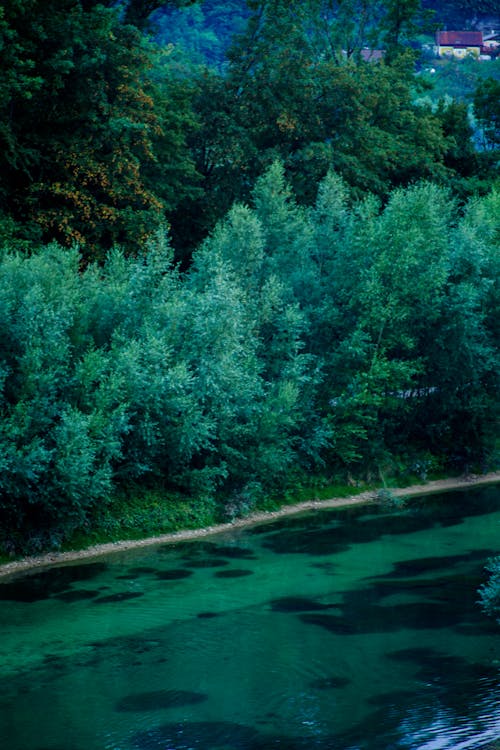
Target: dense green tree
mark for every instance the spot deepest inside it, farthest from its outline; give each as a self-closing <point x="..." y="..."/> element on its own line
<point x="462" y="14"/>
<point x="489" y="592"/>
<point x="83" y="125"/>
<point x="290" y="92"/>
<point x="222" y="150"/>
<point x="461" y="156"/>
<point x="487" y="111"/>
<point x="470" y="338"/>
<point x="402" y="22"/>
<point x="204" y="31"/>
<point x="349" y="333"/>
<point x="410" y="350"/>
<point x="138" y="12"/>
<point x="457" y="79"/>
<point x="342" y="311"/>
<point x="253" y="246"/>
<point x="57" y="442"/>
<point x="343" y="27"/>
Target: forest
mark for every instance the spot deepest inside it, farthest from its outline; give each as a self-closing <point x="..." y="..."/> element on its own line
<point x="236" y="259"/>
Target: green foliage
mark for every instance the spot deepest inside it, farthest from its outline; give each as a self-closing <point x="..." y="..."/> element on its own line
<point x="250" y="252"/>
<point x="56" y="452"/>
<point x="457" y="79"/>
<point x="143" y="510"/>
<point x="414" y="339"/>
<point x="350" y="335"/>
<point x="388" y="499"/>
<point x="489" y="592"/>
<point x="342" y="315"/>
<point x="297" y="88"/>
<point x="487" y="111"/>
<point x="462" y="14"/>
<point x="92" y="145"/>
<point x="107" y="136"/>
<point x="204" y="31"/>
<point x="138" y="12"/>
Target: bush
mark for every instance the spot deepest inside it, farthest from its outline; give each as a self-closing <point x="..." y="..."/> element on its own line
<point x="489" y="592"/>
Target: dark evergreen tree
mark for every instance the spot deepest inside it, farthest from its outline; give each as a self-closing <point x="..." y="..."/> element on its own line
<point x="84" y="123"/>
<point x="487" y="110"/>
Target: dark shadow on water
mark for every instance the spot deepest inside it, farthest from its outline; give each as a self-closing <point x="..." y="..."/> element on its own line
<point x="297" y="604"/>
<point x="141" y="570"/>
<point x="208" y="563"/>
<point x="54" y="662"/>
<point x="233" y="573"/>
<point x="173" y="575"/>
<point x="308" y="542"/>
<point x="159" y="699"/>
<point x="450" y="673"/>
<point x="234" y="553"/>
<point x="484" y="626"/>
<point x="119" y="648"/>
<point x="356" y="529"/>
<point x="443" y="601"/>
<point x="303" y="522"/>
<point x="327" y="567"/>
<point x="321" y="538"/>
<point x="333" y="623"/>
<point x="376" y="618"/>
<point x="200" y="548"/>
<point x="38" y="586"/>
<point x="329" y="532"/>
<point x="77" y="595"/>
<point x="419" y="566"/>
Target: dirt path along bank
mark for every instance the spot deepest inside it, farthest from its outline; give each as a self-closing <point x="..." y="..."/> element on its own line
<point x="56" y="558"/>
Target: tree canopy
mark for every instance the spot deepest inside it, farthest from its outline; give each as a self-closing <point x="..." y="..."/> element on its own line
<point x="345" y="335"/>
<point x="217" y="280"/>
<point x="88" y="110"/>
<point x="107" y="135"/>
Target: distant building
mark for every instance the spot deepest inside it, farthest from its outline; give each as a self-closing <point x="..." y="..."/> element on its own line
<point x="459" y="44"/>
<point x="491" y="45"/>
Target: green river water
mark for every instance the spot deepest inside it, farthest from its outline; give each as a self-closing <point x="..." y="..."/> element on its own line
<point x="341" y="630"/>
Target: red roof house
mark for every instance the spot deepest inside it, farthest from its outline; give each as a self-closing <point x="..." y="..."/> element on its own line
<point x="459" y="43"/>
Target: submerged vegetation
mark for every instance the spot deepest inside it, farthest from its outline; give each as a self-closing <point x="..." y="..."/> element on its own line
<point x="218" y="280"/>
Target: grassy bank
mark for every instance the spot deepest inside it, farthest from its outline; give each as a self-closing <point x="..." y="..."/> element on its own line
<point x="135" y="527"/>
<point x="138" y="512"/>
<point x="143" y="512"/>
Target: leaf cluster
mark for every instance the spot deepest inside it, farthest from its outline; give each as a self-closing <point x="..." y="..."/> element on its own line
<point x="339" y="335"/>
<point x="106" y="136"/>
<point x="92" y="128"/>
<point x="300" y="86"/>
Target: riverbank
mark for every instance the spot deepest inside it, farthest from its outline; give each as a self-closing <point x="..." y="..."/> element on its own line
<point x="57" y="558"/>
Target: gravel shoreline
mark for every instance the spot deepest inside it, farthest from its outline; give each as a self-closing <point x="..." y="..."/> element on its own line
<point x="57" y="558"/>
